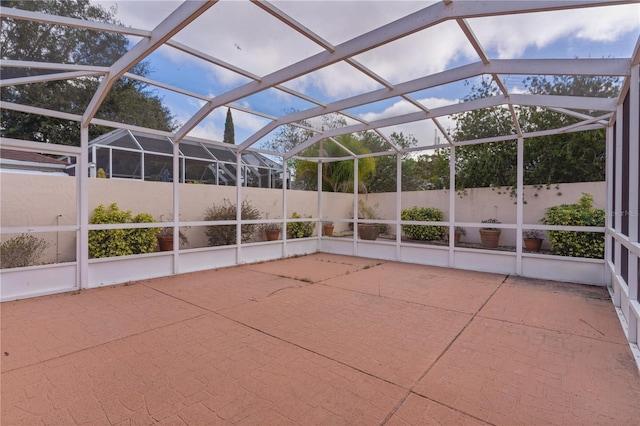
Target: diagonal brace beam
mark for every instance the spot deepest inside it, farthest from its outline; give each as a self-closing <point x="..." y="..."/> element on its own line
<point x="176" y="21"/>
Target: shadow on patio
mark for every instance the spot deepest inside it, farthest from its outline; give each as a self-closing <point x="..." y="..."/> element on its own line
<point x="320" y="339"/>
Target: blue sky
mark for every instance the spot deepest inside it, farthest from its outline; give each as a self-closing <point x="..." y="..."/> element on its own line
<point x="243" y="35"/>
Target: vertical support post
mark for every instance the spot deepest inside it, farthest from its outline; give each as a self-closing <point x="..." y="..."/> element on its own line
<point x="452" y="205"/>
<point x="320" y="215"/>
<point x="617" y="247"/>
<point x="82" y="206"/>
<point x="142" y="165"/>
<point x="238" y="207"/>
<point x="519" y="204"/>
<point x="284" y="206"/>
<point x="94" y="161"/>
<point x="176" y="206"/>
<point x="398" y="205"/>
<point x="355" y="206"/>
<point x="610" y="176"/>
<point x="634" y="178"/>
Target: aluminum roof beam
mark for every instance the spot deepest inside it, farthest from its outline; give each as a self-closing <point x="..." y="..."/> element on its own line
<point x="604" y="67"/>
<point x="25" y="15"/>
<point x="578" y="102"/>
<point x="402" y="27"/>
<point x="176" y="21"/>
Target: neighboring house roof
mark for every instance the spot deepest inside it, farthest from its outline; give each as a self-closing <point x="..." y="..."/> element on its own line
<point x="29" y="162"/>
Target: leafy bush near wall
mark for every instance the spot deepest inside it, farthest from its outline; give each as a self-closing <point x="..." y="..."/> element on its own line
<point x="571" y="243"/>
<point x="22" y="250"/>
<point x="121" y="242"/>
<point x="223" y="235"/>
<point x="299" y="229"/>
<point x="423" y="232"/>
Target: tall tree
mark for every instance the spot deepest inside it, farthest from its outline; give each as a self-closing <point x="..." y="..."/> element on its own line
<point x="384" y="178"/>
<point x="569" y="157"/>
<point x="129" y="101"/>
<point x="290" y="136"/>
<point x="229" y="133"/>
<point x="337" y="176"/>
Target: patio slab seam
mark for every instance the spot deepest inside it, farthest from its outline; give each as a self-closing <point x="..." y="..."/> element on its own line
<point x="217" y="313"/>
<point x="397" y="299"/>
<point x="444" y="351"/>
<point x="410" y="391"/>
<point x="523" y="324"/>
<point x="107" y="342"/>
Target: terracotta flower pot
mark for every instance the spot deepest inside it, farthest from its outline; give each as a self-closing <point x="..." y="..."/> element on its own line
<point x="165" y="242"/>
<point x="272" y="234"/>
<point x="489" y="238"/>
<point x="328" y="230"/>
<point x="456" y="238"/>
<point x="532" y="244"/>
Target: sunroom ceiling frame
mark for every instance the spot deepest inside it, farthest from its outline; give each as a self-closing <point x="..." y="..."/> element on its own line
<point x="402" y="27"/>
<point x="417" y="21"/>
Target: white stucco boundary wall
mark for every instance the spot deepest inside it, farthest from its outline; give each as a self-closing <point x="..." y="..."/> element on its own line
<point x="33" y="203"/>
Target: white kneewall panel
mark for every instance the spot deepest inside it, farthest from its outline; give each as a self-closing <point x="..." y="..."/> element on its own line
<point x="32" y="281"/>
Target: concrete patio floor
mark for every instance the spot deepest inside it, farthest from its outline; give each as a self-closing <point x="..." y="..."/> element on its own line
<point x="320" y="339"/>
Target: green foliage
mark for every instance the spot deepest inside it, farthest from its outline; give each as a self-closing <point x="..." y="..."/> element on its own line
<point x="571" y="243"/>
<point x="432" y="170"/>
<point x="566" y="157"/>
<point x="22" y="250"/>
<point x="229" y="132"/>
<point x="299" y="229"/>
<point x="121" y="242"/>
<point x="337" y="176"/>
<point x="533" y="234"/>
<point x="383" y="179"/>
<point x="423" y="232"/>
<point x="489" y="221"/>
<point x="223" y="235"/>
<point x="128" y="100"/>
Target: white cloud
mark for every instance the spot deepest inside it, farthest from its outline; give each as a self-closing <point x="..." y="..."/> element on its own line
<point x="511" y="35"/>
<point x="242" y="34"/>
<point x="421" y="130"/>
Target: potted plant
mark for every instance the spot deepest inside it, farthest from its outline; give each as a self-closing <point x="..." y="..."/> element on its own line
<point x="368" y="231"/>
<point x="458" y="232"/>
<point x="532" y="239"/>
<point x="489" y="235"/>
<point x="302" y="229"/>
<point x="165" y="237"/>
<point x="327" y="228"/>
<point x="272" y="231"/>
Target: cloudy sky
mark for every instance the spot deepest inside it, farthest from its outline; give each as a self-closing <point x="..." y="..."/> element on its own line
<point x="245" y="36"/>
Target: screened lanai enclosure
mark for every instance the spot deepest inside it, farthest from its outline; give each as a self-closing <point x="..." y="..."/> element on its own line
<point x="134" y="155"/>
<point x="307" y="99"/>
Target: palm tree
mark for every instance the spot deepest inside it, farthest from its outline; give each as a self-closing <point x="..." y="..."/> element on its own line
<point x="337" y="176"/>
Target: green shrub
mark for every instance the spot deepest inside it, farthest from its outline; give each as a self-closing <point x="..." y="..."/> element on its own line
<point x="423" y="232"/>
<point x="23" y="250"/>
<point x="224" y="235"/>
<point x="299" y="229"/>
<point x="572" y="243"/>
<point x="121" y="242"/>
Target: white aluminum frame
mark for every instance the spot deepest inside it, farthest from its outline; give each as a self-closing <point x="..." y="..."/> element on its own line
<point x="89" y="273"/>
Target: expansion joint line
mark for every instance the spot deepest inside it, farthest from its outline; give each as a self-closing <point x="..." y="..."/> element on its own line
<point x="411" y="390"/>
